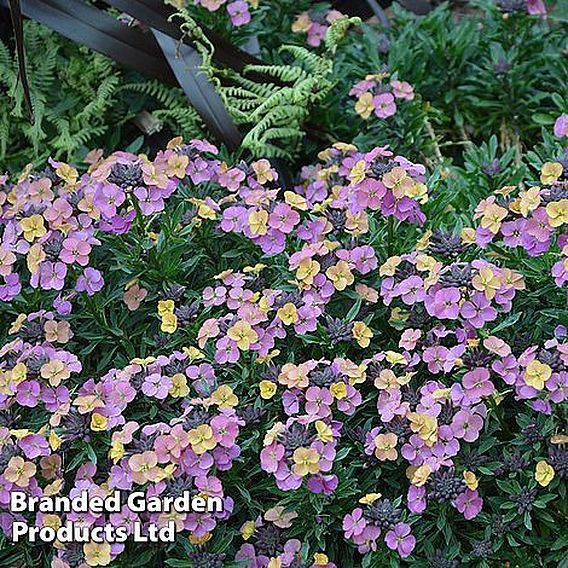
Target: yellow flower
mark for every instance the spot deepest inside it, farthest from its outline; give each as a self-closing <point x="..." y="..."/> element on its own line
<point x="468" y="236"/>
<point x="97" y="553"/>
<point x="421" y="475"/>
<point x="340" y="275"/>
<point x="33" y="227"/>
<point x="470" y="480"/>
<point x="169" y="323"/>
<point x="55" y="371"/>
<point x="52" y="521"/>
<point x="19" y="373"/>
<point x="338" y="390"/>
<point x="295" y="200"/>
<point x="177" y="163"/>
<point x="201" y="439"/>
<point x="17" y="324"/>
<point x="67" y="173"/>
<point x="324" y="432"/>
<point x="370" y="498"/>
<point x="248" y="529"/>
<point x="224" y="397"/>
<point x="263" y="171"/>
<point x="544" y="473"/>
<point x="179" y="386"/>
<point x="529" y="200"/>
<point x="557" y="212"/>
<point x="54" y="441"/>
<point x="389" y="267"/>
<point x="306" y="271"/>
<point x="306" y="461"/>
<point x="302" y="23"/>
<point x="550" y="172"/>
<point x="365" y="106"/>
<point x="357" y="173"/>
<point x="362" y="333"/>
<point x="537" y="373"/>
<point x="288" y="313"/>
<point x="492" y="217"/>
<point x="243" y="334"/>
<point x="320" y="559"/>
<point x="166" y="307"/>
<point x="193" y="539"/>
<point x="425" y="426"/>
<point x="274" y="563"/>
<point x="116" y="451"/>
<point x="258" y="222"/>
<point x="385" y="446"/>
<point x="267" y="389"/>
<point x="98" y="422"/>
<point x="395" y="358"/>
<point x="486" y="281"/>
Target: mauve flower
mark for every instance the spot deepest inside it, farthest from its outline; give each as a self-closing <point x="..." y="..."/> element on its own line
<point x="469" y="503"/>
<point x="561" y="126"/>
<point x="354" y="523"/>
<point x="384" y="105"/>
<point x="416" y="499"/>
<point x="467" y="425"/>
<point x="400" y="539"/>
<point x="477" y="384"/>
<point x="444" y="304"/>
<point x="91" y="281"/>
<point x="28" y="393"/>
<point x="239" y="12"/>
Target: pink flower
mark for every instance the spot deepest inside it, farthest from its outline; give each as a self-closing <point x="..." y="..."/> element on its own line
<point x="469" y="503"/>
<point x="354" y="523"/>
<point x="561" y="126"/>
<point x="75" y="250"/>
<point x="384" y="105"/>
<point x="239" y="12"/>
<point x="402" y="90"/>
<point x="400" y="539"/>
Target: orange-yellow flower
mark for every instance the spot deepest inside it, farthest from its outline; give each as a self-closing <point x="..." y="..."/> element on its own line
<point x="537" y="373"/>
<point x="20" y="471"/>
<point x="97" y="553"/>
<point x="307" y="270"/>
<point x="544" y="473"/>
<point x="288" y="314"/>
<point x="362" y="333"/>
<point x="340" y="275"/>
<point x="385" y="446"/>
<point x="243" y="335"/>
<point x="33" y="227"/>
<point x="224" y="397"/>
<point x="201" y="439"/>
<point x="306" y="461"/>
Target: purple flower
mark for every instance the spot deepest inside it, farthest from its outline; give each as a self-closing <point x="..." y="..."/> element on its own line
<point x="400" y="539"/>
<point x="91" y="281"/>
<point x="477" y="384"/>
<point x="561" y="126"/>
<point x="416" y="499"/>
<point x="469" y="503"/>
<point x="444" y="304"/>
<point x="467" y="425"/>
<point x="28" y="393"/>
<point x="354" y="524"/>
<point x="384" y="105"/>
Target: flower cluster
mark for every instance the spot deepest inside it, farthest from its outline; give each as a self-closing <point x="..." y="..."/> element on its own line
<point x="377" y="95"/>
<point x="534" y="220"/>
<point x="315" y="24"/>
<point x="49" y="221"/>
<point x="238" y="10"/>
